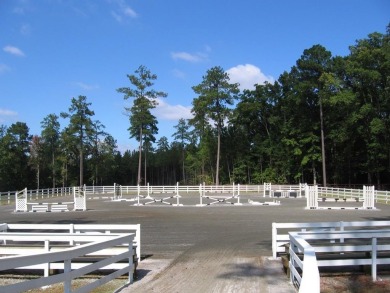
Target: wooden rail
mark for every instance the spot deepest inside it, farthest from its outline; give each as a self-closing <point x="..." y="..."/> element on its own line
<point x="81" y="228"/>
<point x="310" y="250"/>
<point x="280" y="231"/>
<point x="64" y="259"/>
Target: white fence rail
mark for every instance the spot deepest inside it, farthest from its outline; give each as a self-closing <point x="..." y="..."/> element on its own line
<point x="280" y="230"/>
<point x="264" y="189"/>
<point x="150" y="189"/>
<point x="36" y="194"/>
<point x="64" y="259"/>
<point x="352" y="249"/>
<point x="80" y="229"/>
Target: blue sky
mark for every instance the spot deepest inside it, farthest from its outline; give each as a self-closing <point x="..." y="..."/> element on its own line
<point x="53" y="50"/>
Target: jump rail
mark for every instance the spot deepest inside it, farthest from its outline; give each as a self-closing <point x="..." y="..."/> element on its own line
<point x="64" y="260"/>
<point x="305" y="255"/>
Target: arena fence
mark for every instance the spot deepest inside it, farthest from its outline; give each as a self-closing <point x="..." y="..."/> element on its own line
<point x="80" y="228"/>
<point x="280" y="231"/>
<point x="311" y="249"/>
<point x="69" y="253"/>
<point x="265" y="190"/>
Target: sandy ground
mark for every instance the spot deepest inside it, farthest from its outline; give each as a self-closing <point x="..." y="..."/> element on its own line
<point x="219" y="248"/>
<point x="211" y="271"/>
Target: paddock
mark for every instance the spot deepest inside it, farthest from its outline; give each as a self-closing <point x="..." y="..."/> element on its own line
<point x="213" y="248"/>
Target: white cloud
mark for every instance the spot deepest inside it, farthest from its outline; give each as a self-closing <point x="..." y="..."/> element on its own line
<point x="186" y="57"/>
<point x="178" y="73"/>
<point x="87" y="87"/>
<point x="117" y="17"/>
<point x="25" y="29"/>
<point x="122" y="10"/>
<point x="123" y="146"/>
<point x="191" y="57"/>
<point x="4" y="68"/>
<point x="129" y="12"/>
<point x="6" y="114"/>
<point x="166" y="111"/>
<point x="247" y="76"/>
<point x="14" y="51"/>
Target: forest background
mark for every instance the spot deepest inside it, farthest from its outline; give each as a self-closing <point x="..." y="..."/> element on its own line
<point x="326" y="121"/>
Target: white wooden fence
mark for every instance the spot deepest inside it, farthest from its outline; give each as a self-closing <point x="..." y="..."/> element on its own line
<point x="265" y="190"/>
<point x="351" y="250"/>
<point x="64" y="259"/>
<point x="280" y="230"/>
<point x="79" y="229"/>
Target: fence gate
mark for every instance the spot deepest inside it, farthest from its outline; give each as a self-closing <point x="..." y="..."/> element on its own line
<point x="21" y="200"/>
<point x="79" y="199"/>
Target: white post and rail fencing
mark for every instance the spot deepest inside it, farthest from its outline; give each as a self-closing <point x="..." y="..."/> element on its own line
<point x="89" y="244"/>
<point x="344" y="244"/>
<point x="307" y="247"/>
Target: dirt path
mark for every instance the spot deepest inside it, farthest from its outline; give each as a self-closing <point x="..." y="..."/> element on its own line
<point x="211" y="271"/>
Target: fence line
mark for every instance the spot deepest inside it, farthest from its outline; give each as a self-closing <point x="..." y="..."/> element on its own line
<point x="279" y="239"/>
<point x="270" y="190"/>
<point x="82" y="228"/>
<point x="63" y="259"/>
<point x="357" y="241"/>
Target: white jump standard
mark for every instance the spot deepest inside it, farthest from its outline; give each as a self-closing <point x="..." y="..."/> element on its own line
<point x="154" y="200"/>
<point x="78" y="203"/>
<point x="216" y="199"/>
<point x="368" y="199"/>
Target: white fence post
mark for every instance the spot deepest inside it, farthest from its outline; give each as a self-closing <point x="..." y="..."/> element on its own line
<point x="201" y="193"/>
<point x="374" y="255"/>
<point x="148" y="195"/>
<point x="47" y="267"/>
<point x="274" y="243"/>
<point x="68" y="281"/>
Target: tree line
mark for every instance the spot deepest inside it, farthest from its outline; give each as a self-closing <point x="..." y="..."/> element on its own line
<point x="326" y="121"/>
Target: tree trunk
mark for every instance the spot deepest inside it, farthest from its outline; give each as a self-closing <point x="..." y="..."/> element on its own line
<point x="38" y="177"/>
<point x="314" y="175"/>
<point x="184" y="175"/>
<point x="53" y="170"/>
<point x="323" y="146"/>
<point x="218" y="154"/>
<point x="146" y="149"/>
<point x="81" y="166"/>
<point x="139" y="157"/>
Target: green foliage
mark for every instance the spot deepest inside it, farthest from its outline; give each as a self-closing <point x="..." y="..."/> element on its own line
<point x="143" y="125"/>
<point x="15" y="171"/>
<point x="51" y="143"/>
<point x="80" y="130"/>
<point x="215" y="95"/>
